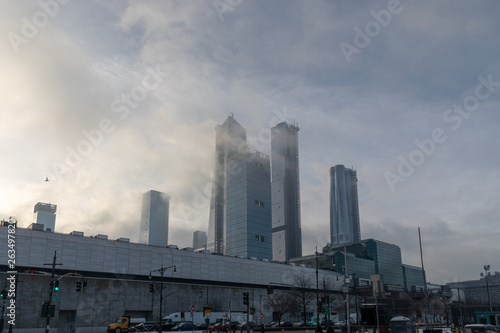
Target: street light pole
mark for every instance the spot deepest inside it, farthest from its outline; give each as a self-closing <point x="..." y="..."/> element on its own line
<point x="317" y="289"/>
<point x="161" y="271"/>
<point x="486" y="269"/>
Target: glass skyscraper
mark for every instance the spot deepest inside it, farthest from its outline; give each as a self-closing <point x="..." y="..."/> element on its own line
<point x="154" y="219"/>
<point x="230" y="137"/>
<point x="285" y="189"/>
<point x="344" y="209"/>
<point x="45" y="214"/>
<point x="199" y="239"/>
<point x="248" y="206"/>
<point x="240" y="207"/>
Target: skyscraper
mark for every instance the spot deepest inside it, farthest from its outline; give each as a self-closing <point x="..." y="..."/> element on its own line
<point x="230" y="137"/>
<point x="248" y="206"/>
<point x="285" y="189"/>
<point x="199" y="239"/>
<point x="240" y="207"/>
<point x="45" y="213"/>
<point x="154" y="218"/>
<point x="344" y="209"/>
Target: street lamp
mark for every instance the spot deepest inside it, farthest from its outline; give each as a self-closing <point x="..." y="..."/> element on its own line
<point x="486" y="269"/>
<point x="162" y="270"/>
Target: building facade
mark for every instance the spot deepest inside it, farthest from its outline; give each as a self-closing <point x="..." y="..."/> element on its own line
<point x="248" y="206"/>
<point x="154" y="218"/>
<point x="366" y="258"/>
<point x="344" y="207"/>
<point x="285" y="189"/>
<point x="117" y="274"/>
<point x="45" y="214"/>
<point x="199" y="240"/>
<point x="230" y="137"/>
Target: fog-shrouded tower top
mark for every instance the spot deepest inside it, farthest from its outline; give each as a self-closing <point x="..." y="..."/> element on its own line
<point x="344" y="208"/>
<point x="199" y="240"/>
<point x="230" y="138"/>
<point x="154" y="218"/>
<point x="45" y="213"/>
<point x="285" y="189"/>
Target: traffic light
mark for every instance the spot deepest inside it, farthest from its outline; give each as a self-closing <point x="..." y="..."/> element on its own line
<point x="270" y="289"/>
<point x="84" y="284"/>
<point x="56" y="285"/>
<point x="245" y="298"/>
<point x="3" y="294"/>
<point x="252" y="311"/>
<point x="79" y="286"/>
<point x="201" y="293"/>
<point x="323" y="298"/>
<point x="327" y="299"/>
<point x="151" y="287"/>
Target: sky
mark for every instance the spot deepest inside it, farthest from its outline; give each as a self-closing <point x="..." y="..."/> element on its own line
<point x="110" y="99"/>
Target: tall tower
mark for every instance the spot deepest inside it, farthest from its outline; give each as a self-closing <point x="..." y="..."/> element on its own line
<point x="45" y="213"/>
<point x="285" y="189"/>
<point x="248" y="206"/>
<point x="199" y="239"/>
<point x="230" y="138"/>
<point x="154" y="218"/>
<point x="344" y="209"/>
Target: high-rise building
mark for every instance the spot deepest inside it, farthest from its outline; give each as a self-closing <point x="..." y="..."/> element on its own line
<point x="285" y="189"/>
<point x="230" y="137"/>
<point x="154" y="218"/>
<point x="199" y="240"/>
<point x="344" y="209"/>
<point x="240" y="207"/>
<point x="45" y="214"/>
<point x="248" y="206"/>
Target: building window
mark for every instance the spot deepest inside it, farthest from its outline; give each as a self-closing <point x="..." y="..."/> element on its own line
<point x="259" y="238"/>
<point x="259" y="203"/>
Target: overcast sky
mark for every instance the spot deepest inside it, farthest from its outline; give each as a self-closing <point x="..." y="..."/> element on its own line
<point x="110" y="99"/>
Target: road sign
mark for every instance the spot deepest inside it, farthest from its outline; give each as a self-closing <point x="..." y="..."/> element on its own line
<point x="261" y="315"/>
<point x="192" y="308"/>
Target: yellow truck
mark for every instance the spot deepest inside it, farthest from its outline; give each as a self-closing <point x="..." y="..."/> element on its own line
<point x="122" y="324"/>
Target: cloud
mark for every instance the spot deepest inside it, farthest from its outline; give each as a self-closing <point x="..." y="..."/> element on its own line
<point x="261" y="60"/>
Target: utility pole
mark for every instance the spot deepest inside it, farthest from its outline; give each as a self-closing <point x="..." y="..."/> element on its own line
<point x="425" y="282"/>
<point x="162" y="271"/>
<point x="49" y="302"/>
<point x="347" y="281"/>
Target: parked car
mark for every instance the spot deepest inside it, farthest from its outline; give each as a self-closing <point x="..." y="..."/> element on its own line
<point x="185" y="326"/>
<point x="201" y="327"/>
<point x="145" y="326"/>
<point x="480" y="328"/>
<point x="218" y="327"/>
<point x="244" y="325"/>
<point x="234" y="325"/>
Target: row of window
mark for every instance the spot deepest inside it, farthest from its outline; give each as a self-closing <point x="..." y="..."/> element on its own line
<point x="259" y="203"/>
